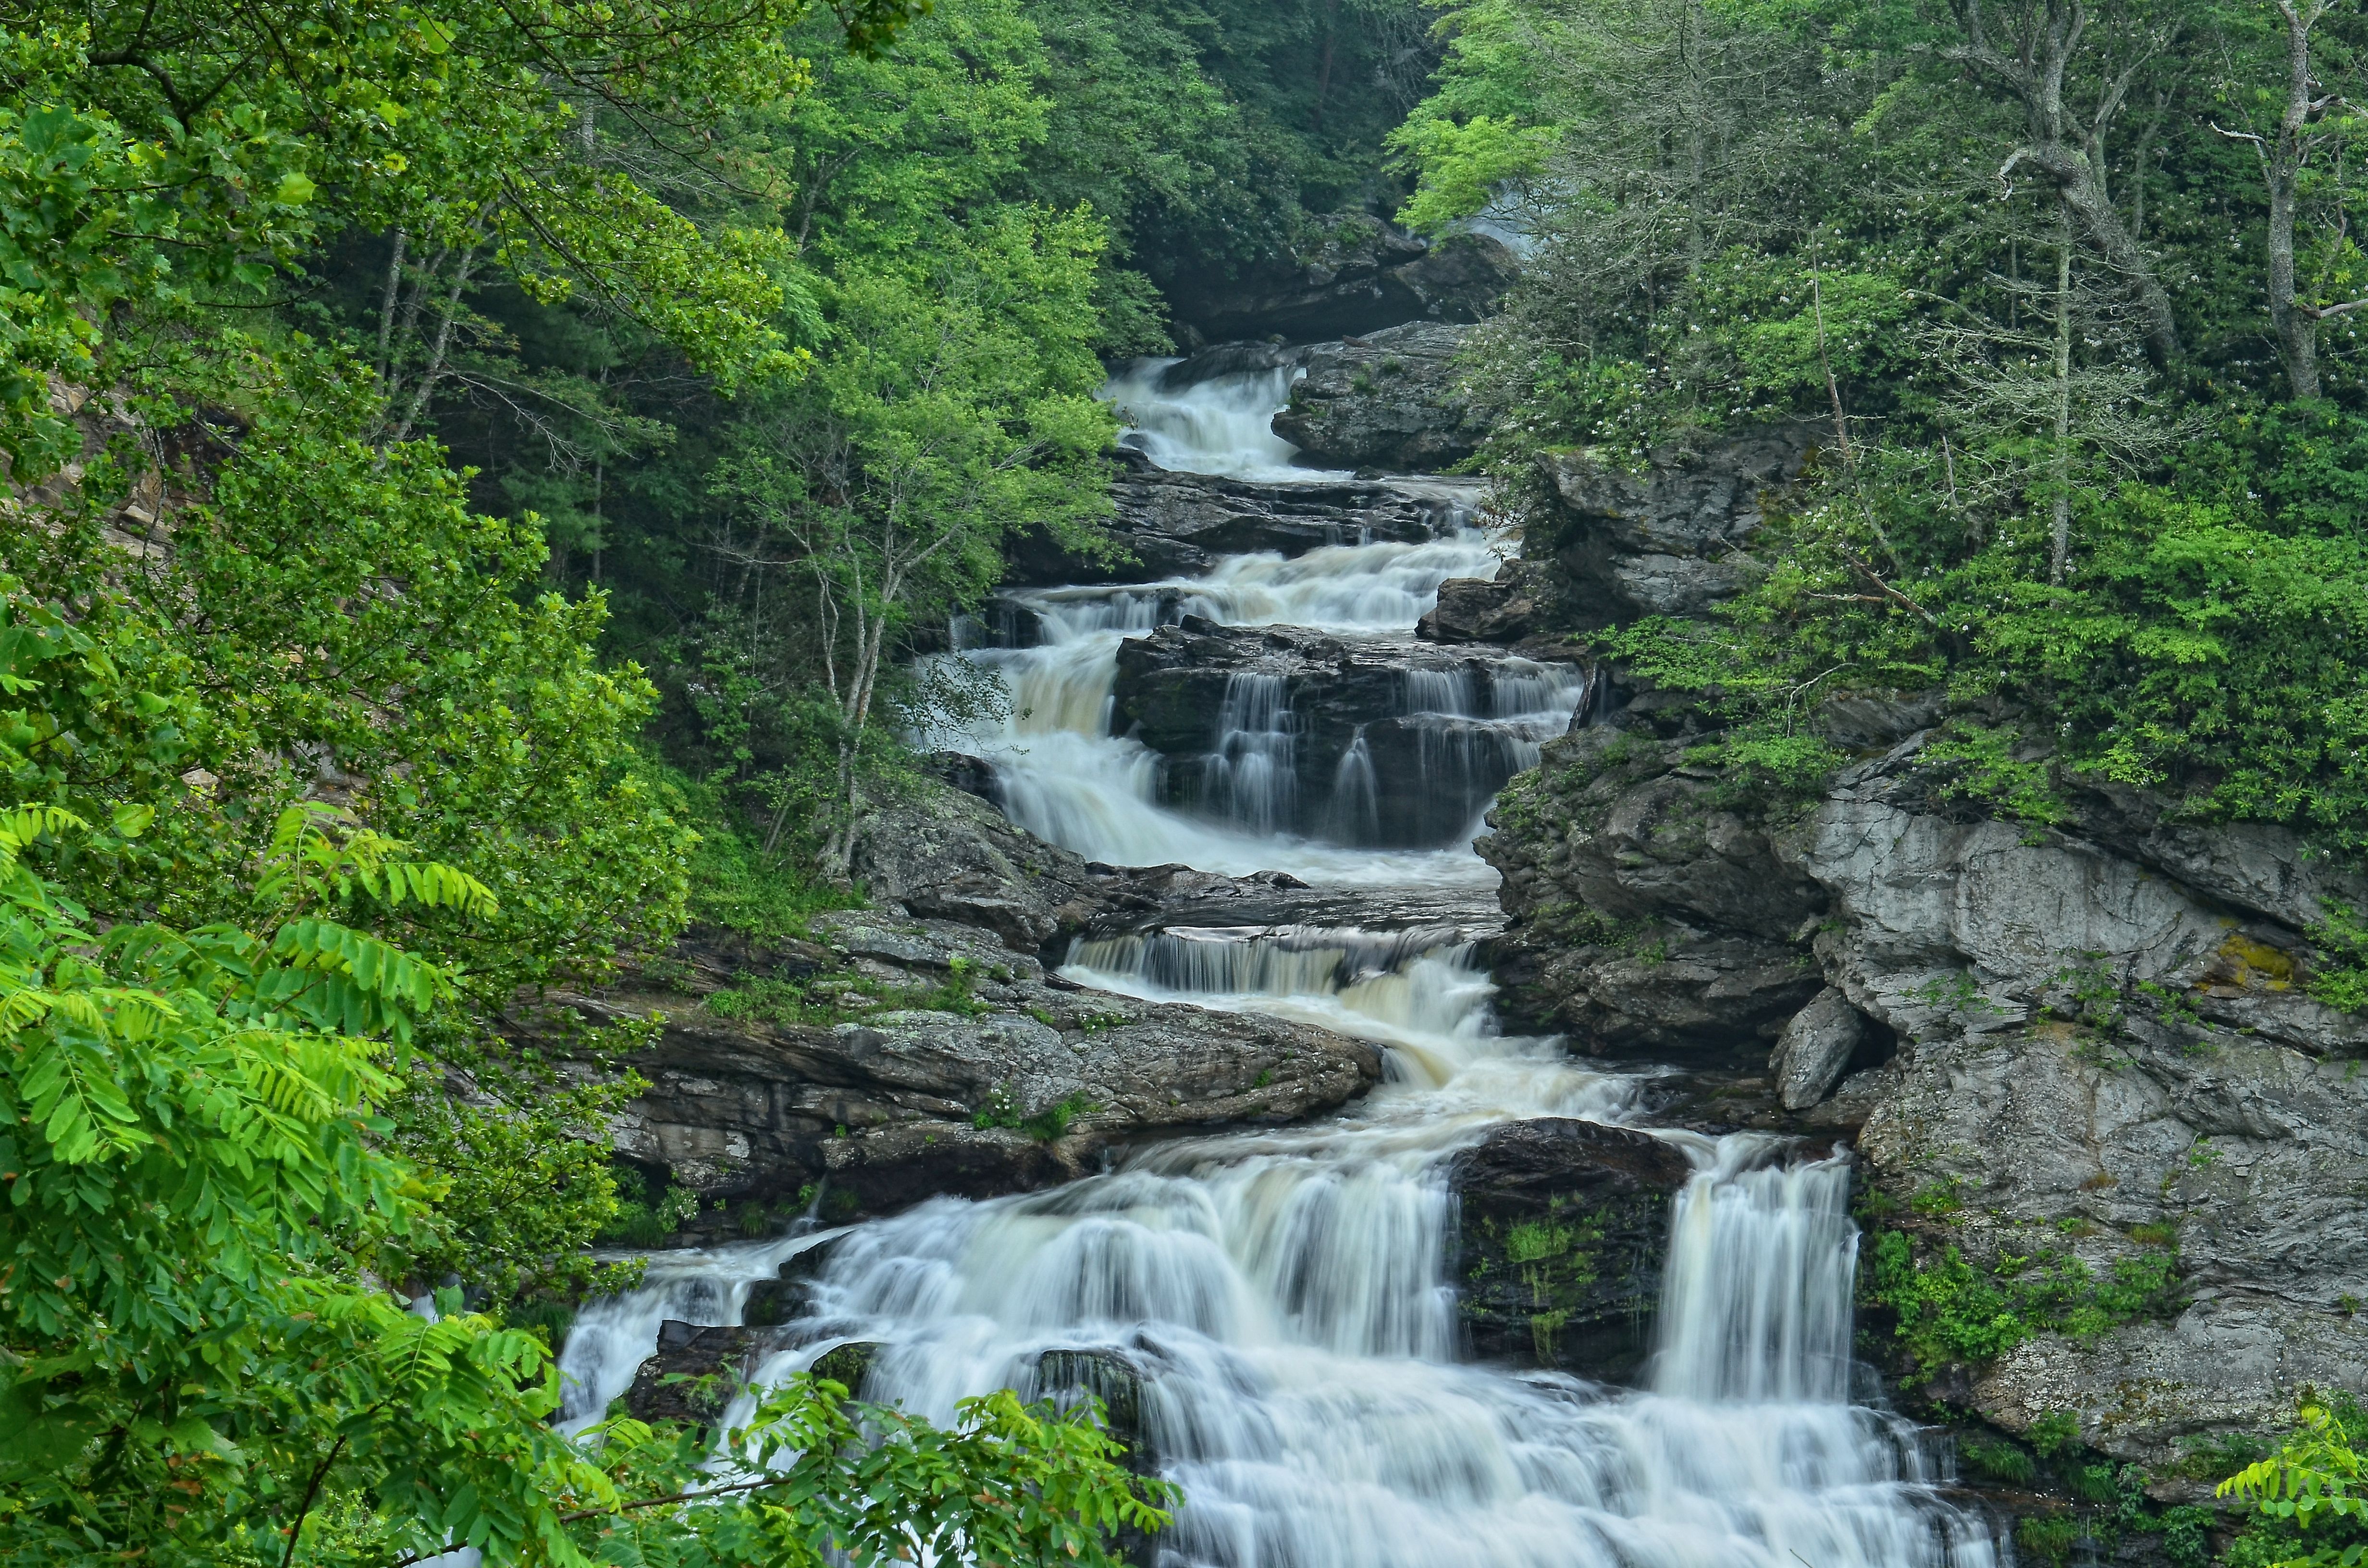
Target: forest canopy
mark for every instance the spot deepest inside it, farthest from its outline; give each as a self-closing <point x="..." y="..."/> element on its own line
<point x="415" y="418"/>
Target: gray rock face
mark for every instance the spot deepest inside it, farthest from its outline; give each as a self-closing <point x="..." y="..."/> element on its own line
<point x="1359" y="276"/>
<point x="1562" y="1226"/>
<point x="1424" y="760"/>
<point x="2106" y="1057"/>
<point x="1954" y="928"/>
<point x="1176" y="525"/>
<point x="1813" y="1049"/>
<point x="1386" y="400"/>
<point x="1645" y="914"/>
<point x="1660" y="542"/>
<point x="884" y="1106"/>
<point x="2248" y="1155"/>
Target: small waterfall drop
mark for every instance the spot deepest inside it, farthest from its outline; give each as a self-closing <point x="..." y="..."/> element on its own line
<point x="1221" y="425"/>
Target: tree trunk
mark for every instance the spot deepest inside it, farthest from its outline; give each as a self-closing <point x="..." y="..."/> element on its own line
<point x="2060" y="534"/>
<point x="2295" y="325"/>
<point x="2084" y="196"/>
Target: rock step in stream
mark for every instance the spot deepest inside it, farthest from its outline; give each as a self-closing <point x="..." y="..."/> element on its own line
<point x="1345" y="1335"/>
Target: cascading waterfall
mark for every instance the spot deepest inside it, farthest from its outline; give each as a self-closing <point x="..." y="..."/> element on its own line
<point x="1249" y="778"/>
<point x="1285" y="1296"/>
<point x="1221" y="425"/>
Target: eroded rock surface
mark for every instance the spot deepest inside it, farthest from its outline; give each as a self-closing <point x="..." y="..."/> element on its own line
<point x="1663" y="541"/>
<point x="1386" y="400"/>
<point x="1174" y="525"/>
<point x="1649" y="915"/>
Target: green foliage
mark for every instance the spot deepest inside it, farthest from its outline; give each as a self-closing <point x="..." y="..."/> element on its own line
<point x="2339" y="978"/>
<point x="2314" y="1484"/>
<point x="1952" y="1312"/>
<point x="1004" y="1108"/>
<point x="1998" y="1461"/>
<point x="1979" y="763"/>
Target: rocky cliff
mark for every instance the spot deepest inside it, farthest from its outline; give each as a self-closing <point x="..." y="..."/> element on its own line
<point x="2096" y="1105"/>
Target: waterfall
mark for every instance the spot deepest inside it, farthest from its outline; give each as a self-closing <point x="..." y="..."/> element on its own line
<point x="1286" y="1298"/>
<point x="1356" y="794"/>
<point x="1249" y="780"/>
<point x="1223" y="426"/>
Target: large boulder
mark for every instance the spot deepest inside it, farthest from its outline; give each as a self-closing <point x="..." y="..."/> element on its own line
<point x="1358" y="274"/>
<point x="1369" y="741"/>
<point x="1562" y="1226"/>
<point x="1503" y="609"/>
<point x="918" y="1058"/>
<point x="1815" y="1047"/>
<point x="1387" y="400"/>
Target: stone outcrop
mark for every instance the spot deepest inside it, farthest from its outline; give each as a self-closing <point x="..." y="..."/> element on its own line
<point x="915" y="1058"/>
<point x="1386" y="400"/>
<point x="1174" y="525"/>
<point x="1359" y="275"/>
<point x="1623" y="544"/>
<point x="1648" y="914"/>
<point x="1815" y="1048"/>
<point x="2091" y="1044"/>
<point x="1561" y="1230"/>
<point x="942" y="853"/>
<point x="1343" y="722"/>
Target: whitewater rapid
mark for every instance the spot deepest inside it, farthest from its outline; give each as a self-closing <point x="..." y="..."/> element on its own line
<point x="1285" y="1297"/>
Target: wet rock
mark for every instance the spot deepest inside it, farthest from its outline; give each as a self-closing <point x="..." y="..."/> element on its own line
<point x="1367" y="741"/>
<point x="848" y="1365"/>
<point x="1646" y="914"/>
<point x="1622" y="544"/>
<point x="1174" y="525"/>
<point x="940" y="1028"/>
<point x="1360" y="275"/>
<point x="1386" y="400"/>
<point x="1478" y="609"/>
<point x="1562" y="1226"/>
<point x="1815" y="1047"/>
<point x="697" y="1371"/>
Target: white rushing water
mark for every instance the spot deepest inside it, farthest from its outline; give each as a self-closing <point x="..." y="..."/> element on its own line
<point x="1286" y="1297"/>
<point x="1224" y="425"/>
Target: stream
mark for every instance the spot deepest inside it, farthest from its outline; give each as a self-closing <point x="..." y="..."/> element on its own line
<point x="1285" y="1295"/>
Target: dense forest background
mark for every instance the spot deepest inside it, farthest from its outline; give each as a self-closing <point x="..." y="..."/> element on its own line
<point x="474" y="470"/>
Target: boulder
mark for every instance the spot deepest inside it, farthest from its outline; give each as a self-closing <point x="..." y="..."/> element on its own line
<point x="1358" y="274"/>
<point x="922" y="1058"/>
<point x="1815" y="1047"/>
<point x="1562" y="1226"/>
<point x="1369" y="741"/>
<point x="697" y="1371"/>
<point x="1387" y="400"/>
<point x="1480" y="610"/>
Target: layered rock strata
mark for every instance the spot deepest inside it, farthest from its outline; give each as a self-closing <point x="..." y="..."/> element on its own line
<point x="893" y="1060"/>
